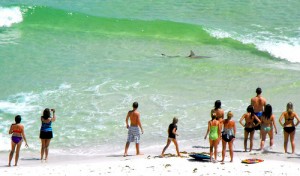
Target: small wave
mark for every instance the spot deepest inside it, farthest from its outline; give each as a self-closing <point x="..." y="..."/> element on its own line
<point x="285" y="48"/>
<point x="10" y="16"/>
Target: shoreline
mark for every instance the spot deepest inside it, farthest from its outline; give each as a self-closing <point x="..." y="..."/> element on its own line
<point x="275" y="163"/>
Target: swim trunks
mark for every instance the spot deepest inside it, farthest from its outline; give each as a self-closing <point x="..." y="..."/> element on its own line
<point x="133" y="134"/>
<point x="249" y="130"/>
<point x="16" y="139"/>
<point x="289" y="129"/>
<point x="213" y="135"/>
<point x="258" y="114"/>
<point x="227" y="134"/>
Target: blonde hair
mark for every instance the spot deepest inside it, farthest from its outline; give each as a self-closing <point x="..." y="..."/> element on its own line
<point x="229" y="114"/>
<point x="289" y="107"/>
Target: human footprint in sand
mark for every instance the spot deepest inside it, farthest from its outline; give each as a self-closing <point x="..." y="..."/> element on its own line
<point x="172" y="133"/>
<point x="289" y="126"/>
<point x="214" y="131"/>
<point x="133" y="129"/>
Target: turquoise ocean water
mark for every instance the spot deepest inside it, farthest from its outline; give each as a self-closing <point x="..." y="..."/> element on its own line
<point x="90" y="60"/>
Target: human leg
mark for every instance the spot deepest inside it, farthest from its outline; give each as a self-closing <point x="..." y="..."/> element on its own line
<point x="11" y="153"/>
<point x="246" y="134"/>
<point x="126" y="148"/>
<point x="165" y="148"/>
<point x="176" y="146"/>
<point x="231" y="150"/>
<point x="47" y="143"/>
<point x="210" y="149"/>
<point x="223" y="150"/>
<point x="292" y="138"/>
<point x="286" y="137"/>
<point x="263" y="139"/>
<point x="251" y="140"/>
<point x="215" y="144"/>
<point x="18" y="153"/>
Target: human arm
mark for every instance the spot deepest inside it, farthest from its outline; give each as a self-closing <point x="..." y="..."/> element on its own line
<point x="234" y="129"/>
<point x="10" y="129"/>
<point x="127" y="117"/>
<point x="24" y="137"/>
<point x="241" y="120"/>
<point x="258" y="120"/>
<point x="297" y="118"/>
<point x="274" y="124"/>
<point x="280" y="119"/>
<point x="208" y="129"/>
<point x="54" y="116"/>
<point x="139" y="123"/>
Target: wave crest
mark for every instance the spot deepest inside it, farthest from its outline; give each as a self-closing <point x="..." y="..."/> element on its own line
<point x="10" y="16"/>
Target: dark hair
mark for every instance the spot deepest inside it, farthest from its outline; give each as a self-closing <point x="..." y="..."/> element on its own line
<point x="217" y="104"/>
<point x="175" y="120"/>
<point x="250" y="109"/>
<point x="268" y="111"/>
<point x="258" y="90"/>
<point x="46" y="114"/>
<point x="135" y="105"/>
<point x="18" y="119"/>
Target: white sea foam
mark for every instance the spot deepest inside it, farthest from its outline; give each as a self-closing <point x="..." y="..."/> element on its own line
<point x="279" y="47"/>
<point x="10" y="16"/>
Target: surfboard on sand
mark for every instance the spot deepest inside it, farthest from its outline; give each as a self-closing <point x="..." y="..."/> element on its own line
<point x="200" y="156"/>
<point x="252" y="161"/>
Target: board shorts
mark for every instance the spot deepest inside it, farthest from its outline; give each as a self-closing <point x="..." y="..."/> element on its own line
<point x="133" y="134"/>
<point x="258" y="114"/>
<point x="46" y="135"/>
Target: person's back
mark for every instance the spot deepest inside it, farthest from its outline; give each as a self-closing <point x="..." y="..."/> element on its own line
<point x="258" y="102"/>
<point x="134" y="117"/>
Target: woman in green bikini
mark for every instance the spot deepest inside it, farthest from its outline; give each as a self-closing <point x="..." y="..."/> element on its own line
<point x="267" y="123"/>
<point x="214" y="130"/>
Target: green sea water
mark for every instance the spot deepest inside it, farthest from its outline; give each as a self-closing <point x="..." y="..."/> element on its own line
<point x="91" y="60"/>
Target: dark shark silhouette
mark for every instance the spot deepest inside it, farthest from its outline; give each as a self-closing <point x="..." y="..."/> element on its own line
<point x="191" y="56"/>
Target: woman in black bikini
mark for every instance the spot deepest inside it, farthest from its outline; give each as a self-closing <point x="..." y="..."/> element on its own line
<point x="249" y="126"/>
<point x="288" y="126"/>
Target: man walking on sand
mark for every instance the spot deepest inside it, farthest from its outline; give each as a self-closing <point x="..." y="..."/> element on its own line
<point x="258" y="102"/>
<point x="133" y="129"/>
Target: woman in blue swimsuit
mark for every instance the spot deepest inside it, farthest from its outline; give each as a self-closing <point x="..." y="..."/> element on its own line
<point x="46" y="133"/>
<point x="289" y="127"/>
<point x="18" y="134"/>
<point x="267" y="123"/>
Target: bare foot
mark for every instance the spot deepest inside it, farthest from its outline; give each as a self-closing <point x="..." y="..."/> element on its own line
<point x="125" y="154"/>
<point x="139" y="154"/>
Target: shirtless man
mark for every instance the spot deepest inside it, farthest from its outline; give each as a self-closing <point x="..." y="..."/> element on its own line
<point x="133" y="129"/>
<point x="258" y="102"/>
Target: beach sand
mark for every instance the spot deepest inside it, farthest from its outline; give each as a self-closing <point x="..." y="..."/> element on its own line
<point x="275" y="163"/>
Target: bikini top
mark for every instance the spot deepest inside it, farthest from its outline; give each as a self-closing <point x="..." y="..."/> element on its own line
<point x="17" y="131"/>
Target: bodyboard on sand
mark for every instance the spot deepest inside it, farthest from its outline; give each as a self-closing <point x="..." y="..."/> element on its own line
<point x="200" y="156"/>
<point x="252" y="161"/>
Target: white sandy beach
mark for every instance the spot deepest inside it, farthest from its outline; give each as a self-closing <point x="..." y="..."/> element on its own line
<point x="275" y="163"/>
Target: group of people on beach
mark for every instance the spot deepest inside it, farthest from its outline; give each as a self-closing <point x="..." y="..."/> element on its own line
<point x="18" y="135"/>
<point x="259" y="116"/>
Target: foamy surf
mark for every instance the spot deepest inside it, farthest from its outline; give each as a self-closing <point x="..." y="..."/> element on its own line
<point x="10" y="16"/>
